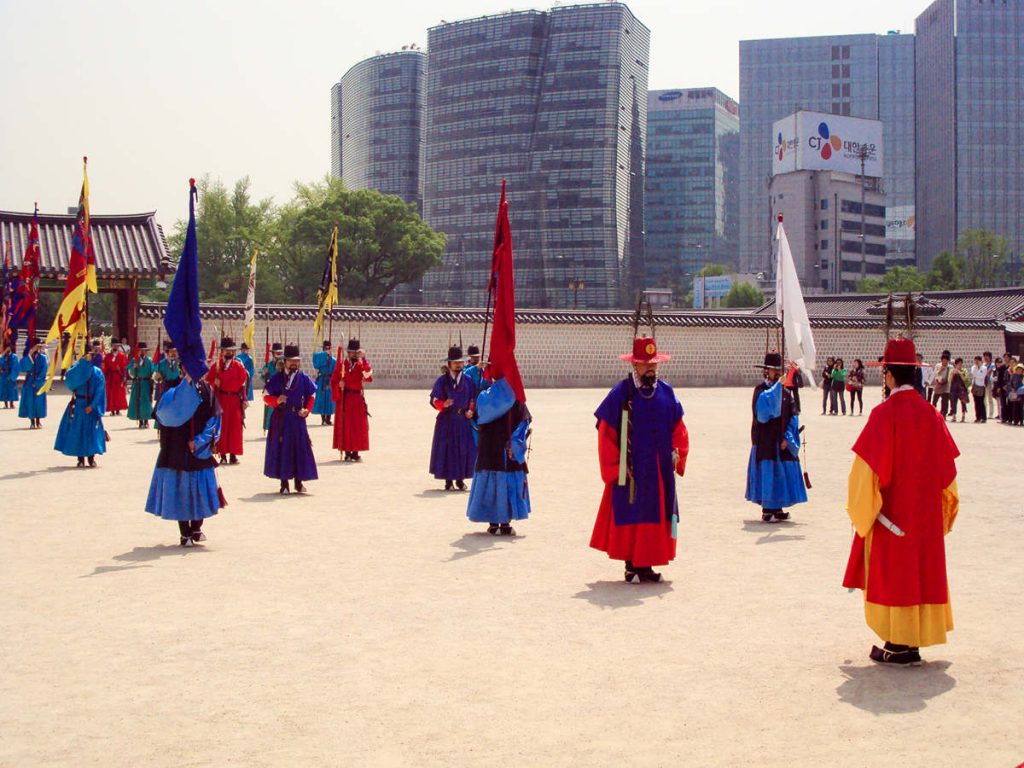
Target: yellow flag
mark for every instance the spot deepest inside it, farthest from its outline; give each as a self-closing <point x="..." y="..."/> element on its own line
<point x="327" y="294"/>
<point x="250" y="304"/>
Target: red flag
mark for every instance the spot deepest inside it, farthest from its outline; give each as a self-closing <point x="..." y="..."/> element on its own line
<point x="503" y="288"/>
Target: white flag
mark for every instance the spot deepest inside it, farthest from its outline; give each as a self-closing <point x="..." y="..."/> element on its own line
<point x="791" y="312"/>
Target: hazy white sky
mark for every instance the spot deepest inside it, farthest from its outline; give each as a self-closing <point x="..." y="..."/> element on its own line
<point x="157" y="91"/>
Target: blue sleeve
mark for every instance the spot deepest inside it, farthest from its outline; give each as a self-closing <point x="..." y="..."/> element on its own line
<point x="177" y="405"/>
<point x="495" y="401"/>
<point x="25" y="365"/>
<point x="206" y="438"/>
<point x="769" y="403"/>
<point x="518" y="441"/>
<point x="99" y="392"/>
<point x="273" y="386"/>
<point x="438" y="392"/>
<point x="792" y="435"/>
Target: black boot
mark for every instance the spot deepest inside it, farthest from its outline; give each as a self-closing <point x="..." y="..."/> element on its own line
<point x="234" y="459"/>
<point x="299" y="487"/>
<point x="81" y="461"/>
<point x="632" y="577"/>
<point x="448" y="485"/>
<point x="460" y="484"/>
<point x="284" y="487"/>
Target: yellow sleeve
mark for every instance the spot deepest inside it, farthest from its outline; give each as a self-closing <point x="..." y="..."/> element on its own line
<point x="950" y="506"/>
<point x="864" y="498"/>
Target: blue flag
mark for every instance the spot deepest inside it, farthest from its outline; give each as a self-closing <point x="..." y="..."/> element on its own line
<point x="182" y="316"/>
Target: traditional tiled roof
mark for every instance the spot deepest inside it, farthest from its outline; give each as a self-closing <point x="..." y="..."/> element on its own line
<point x="696" y="319"/>
<point x="129" y="246"/>
<point x="984" y="303"/>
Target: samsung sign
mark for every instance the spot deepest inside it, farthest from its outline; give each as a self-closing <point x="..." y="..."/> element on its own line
<point x="816" y="141"/>
<point x="670" y="96"/>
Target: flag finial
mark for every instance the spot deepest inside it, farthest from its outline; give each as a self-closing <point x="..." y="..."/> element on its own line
<point x="779" y="218"/>
<point x="191" y="182"/>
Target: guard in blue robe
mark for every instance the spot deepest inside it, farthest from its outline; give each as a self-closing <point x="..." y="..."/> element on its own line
<point x="81" y="431"/>
<point x="774" y="478"/>
<point x="453" y="451"/>
<point x="475" y="371"/>
<point x="245" y="358"/>
<point x="33" y="365"/>
<point x="289" y="450"/>
<point x="184" y="485"/>
<point x="324" y="364"/>
<point x="500" y="492"/>
<point x="9" y="365"/>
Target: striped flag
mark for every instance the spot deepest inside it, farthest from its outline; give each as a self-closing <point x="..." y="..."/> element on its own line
<point x="249" y="334"/>
<point x="327" y="294"/>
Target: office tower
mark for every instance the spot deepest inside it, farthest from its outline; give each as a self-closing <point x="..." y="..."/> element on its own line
<point x="691" y="195"/>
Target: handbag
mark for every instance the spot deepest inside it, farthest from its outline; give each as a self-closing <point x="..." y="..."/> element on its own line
<point x="977" y="390"/>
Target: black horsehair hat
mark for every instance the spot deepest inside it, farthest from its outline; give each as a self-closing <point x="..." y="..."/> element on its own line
<point x="143" y="345"/>
<point x="354" y="345"/>
<point x="455" y="355"/>
<point x="227" y="343"/>
<point x="473" y="351"/>
<point x="168" y="344"/>
<point x="326" y="344"/>
<point x="291" y="352"/>
<point x="772" y="360"/>
<point x="275" y="347"/>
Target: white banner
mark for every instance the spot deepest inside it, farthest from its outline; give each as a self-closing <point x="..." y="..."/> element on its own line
<point x="816" y="141"/>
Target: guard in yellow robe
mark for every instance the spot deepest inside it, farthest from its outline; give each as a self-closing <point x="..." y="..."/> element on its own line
<point x="902" y="502"/>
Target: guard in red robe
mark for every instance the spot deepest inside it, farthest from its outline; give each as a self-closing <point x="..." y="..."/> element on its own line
<point x="351" y="422"/>
<point x="229" y="379"/>
<point x="115" y="373"/>
<point x="902" y="501"/>
<point x="642" y="441"/>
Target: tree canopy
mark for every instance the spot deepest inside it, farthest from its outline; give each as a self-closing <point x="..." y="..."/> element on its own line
<point x="743" y="295"/>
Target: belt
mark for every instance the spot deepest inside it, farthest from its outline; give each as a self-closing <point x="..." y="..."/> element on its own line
<point x="226" y="392"/>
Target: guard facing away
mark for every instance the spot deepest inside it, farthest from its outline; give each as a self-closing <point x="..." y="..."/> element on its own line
<point x="324" y="365"/>
<point x="289" y="451"/>
<point x="902" y="500"/>
<point x="245" y="358"/>
<point x="453" y="451"/>
<point x="228" y="378"/>
<point x="501" y="491"/>
<point x="641" y="442"/>
<point x="184" y="485"/>
<point x="8" y="376"/>
<point x="33" y="365"/>
<point x="351" y="423"/>
<point x="272" y="366"/>
<point x="774" y="479"/>
<point x="81" y="433"/>
<point x="141" y="370"/>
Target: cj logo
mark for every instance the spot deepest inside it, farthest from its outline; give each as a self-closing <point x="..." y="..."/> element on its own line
<point x="825" y="142"/>
<point x="783" y="145"/>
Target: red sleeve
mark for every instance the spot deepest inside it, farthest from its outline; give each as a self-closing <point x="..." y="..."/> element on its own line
<point x="608" y="452"/>
<point x="439" y="404"/>
<point x="368" y="370"/>
<point x="681" y="443"/>
<point x="335" y="382"/>
<point x="309" y="402"/>
<point x="270" y="400"/>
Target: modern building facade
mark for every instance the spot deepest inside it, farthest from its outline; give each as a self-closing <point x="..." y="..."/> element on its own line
<point x="970" y="77"/>
<point x="555" y="103"/>
<point x="376" y="124"/>
<point x="868" y="76"/>
<point x="691" y="195"/>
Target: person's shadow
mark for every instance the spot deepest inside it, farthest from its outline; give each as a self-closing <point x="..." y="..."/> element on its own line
<point x="476" y="543"/>
<point x="47" y="471"/>
<point x="882" y="690"/>
<point x="772" y="533"/>
<point x="140" y="556"/>
<point x="619" y="594"/>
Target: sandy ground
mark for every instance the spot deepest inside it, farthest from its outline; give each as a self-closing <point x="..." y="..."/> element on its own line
<point x="369" y="623"/>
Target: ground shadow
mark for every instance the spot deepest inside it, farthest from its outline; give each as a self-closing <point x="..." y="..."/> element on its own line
<point x="619" y="594"/>
<point x="101" y="569"/>
<point x="263" y="498"/>
<point x="48" y="470"/>
<point x="139" y="556"/>
<point x="437" y="493"/>
<point x="884" y="690"/>
<point x="773" y="533"/>
<point x="478" y="542"/>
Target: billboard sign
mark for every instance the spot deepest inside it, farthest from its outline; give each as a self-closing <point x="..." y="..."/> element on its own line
<point x="816" y="141"/>
<point x="900" y="222"/>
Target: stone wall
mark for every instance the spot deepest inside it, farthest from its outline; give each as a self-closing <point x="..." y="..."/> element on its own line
<point x="410" y="354"/>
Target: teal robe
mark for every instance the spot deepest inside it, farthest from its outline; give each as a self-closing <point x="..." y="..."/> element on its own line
<point x="246" y="360"/>
<point x="9" y="378"/>
<point x="81" y="434"/>
<point x="33" y="406"/>
<point x="140" y="406"/>
<point x="323" y="403"/>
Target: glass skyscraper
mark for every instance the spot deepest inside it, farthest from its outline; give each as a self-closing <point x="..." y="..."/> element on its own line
<point x="376" y="124"/>
<point x="554" y="102"/>
<point x="970" y="81"/>
<point x="691" y="195"/>
<point x="869" y="76"/>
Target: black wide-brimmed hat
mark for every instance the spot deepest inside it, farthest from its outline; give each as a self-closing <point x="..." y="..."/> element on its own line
<point x="326" y="344"/>
<point x="168" y="344"/>
<point x="244" y="345"/>
<point x="227" y="343"/>
<point x="142" y="345"/>
<point x="455" y="355"/>
<point x="772" y="360"/>
<point x="473" y="351"/>
<point x="275" y="347"/>
<point x="291" y="352"/>
<point x="354" y="345"/>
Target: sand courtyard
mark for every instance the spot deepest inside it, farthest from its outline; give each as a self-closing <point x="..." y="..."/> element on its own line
<point x="369" y="623"/>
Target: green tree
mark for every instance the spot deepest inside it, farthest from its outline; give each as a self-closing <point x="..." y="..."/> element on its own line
<point x="985" y="257"/>
<point x="946" y="273"/>
<point x="743" y="295"/>
<point x="383" y="242"/>
<point x="714" y="270"/>
<point x="896" y="280"/>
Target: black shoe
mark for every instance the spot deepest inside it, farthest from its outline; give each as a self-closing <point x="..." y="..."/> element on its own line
<point x="299" y="487"/>
<point x="507" y="530"/>
<point x="198" y="536"/>
<point x="460" y="484"/>
<point x="92" y="461"/>
<point x="186" y="541"/>
<point x="493" y="529"/>
<point x="223" y="460"/>
<point x="356" y="456"/>
<point x="632" y="577"/>
<point x="81" y="461"/>
<point x="233" y="460"/>
<point x="767" y="516"/>
<point x="781" y="515"/>
<point x="448" y="485"/>
<point x="896" y="655"/>
<point x="348" y="456"/>
<point x="284" y="487"/>
<point x="328" y="422"/>
<point x="648" y="574"/>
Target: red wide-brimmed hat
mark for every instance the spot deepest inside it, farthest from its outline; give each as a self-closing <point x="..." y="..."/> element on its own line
<point x="898" y="351"/>
<point x="645" y="350"/>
